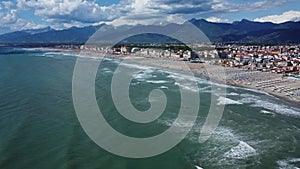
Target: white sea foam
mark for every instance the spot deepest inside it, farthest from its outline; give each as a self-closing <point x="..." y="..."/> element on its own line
<point x="111" y="60"/>
<point x="187" y="86"/>
<point x="179" y="76"/>
<point x="48" y="56"/>
<point x="257" y="101"/>
<point x="205" y="89"/>
<point x="60" y="54"/>
<point x="241" y="151"/>
<point x="288" y="163"/>
<point x="295" y="160"/>
<point x="225" y="134"/>
<point x="134" y="84"/>
<point x="106" y="70"/>
<point x="136" y="66"/>
<point x="281" y="109"/>
<point x="77" y="55"/>
<point x="85" y="56"/>
<point x="163" y="87"/>
<point x="157" y="81"/>
<point x="34" y="49"/>
<point x="197" y="79"/>
<point x="227" y="101"/>
<point x="142" y="76"/>
<point x="177" y="123"/>
<point x="197" y="167"/>
<point x="248" y="89"/>
<point x="267" y="112"/>
<point x="246" y="95"/>
<point x="248" y="100"/>
<point x="232" y="94"/>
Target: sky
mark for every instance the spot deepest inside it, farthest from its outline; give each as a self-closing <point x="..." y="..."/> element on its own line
<point x="59" y="14"/>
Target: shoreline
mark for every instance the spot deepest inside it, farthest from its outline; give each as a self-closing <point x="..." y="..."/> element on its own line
<point x="198" y="69"/>
<point x="279" y="97"/>
<point x="250" y="87"/>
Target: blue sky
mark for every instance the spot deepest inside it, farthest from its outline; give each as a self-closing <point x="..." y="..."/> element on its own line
<point x="59" y="14"/>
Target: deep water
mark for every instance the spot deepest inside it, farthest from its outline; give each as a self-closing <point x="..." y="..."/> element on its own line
<point x="39" y="127"/>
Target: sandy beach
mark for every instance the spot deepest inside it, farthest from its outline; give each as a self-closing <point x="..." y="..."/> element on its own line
<point x="271" y="83"/>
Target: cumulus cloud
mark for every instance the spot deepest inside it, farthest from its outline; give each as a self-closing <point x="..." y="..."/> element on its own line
<point x="216" y="19"/>
<point x="10" y="18"/>
<point x="157" y="11"/>
<point x="285" y="17"/>
<point x="69" y="10"/>
<point x="125" y="12"/>
<point x="166" y="11"/>
<point x="7" y="4"/>
<point x="66" y="13"/>
<point x="12" y="21"/>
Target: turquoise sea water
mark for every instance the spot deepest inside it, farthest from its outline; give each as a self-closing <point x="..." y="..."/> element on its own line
<point x="39" y="128"/>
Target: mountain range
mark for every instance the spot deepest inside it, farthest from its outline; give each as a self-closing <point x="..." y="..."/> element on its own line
<point x="243" y="31"/>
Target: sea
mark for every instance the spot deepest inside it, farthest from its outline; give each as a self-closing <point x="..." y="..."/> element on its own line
<point x="39" y="128"/>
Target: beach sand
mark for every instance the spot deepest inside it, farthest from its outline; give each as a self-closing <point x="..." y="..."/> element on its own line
<point x="271" y="83"/>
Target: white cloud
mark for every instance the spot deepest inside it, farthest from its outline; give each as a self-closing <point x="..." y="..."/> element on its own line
<point x="162" y="12"/>
<point x="157" y="11"/>
<point x="216" y="19"/>
<point x="67" y="11"/>
<point x="7" y="4"/>
<point x="31" y="25"/>
<point x="74" y="12"/>
<point x="285" y="17"/>
<point x="11" y="20"/>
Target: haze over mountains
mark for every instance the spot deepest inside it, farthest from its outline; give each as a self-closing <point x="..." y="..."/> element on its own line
<point x="244" y="31"/>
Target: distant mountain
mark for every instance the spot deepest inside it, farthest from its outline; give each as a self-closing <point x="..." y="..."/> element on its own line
<point x="36" y="31"/>
<point x="243" y="31"/>
<point x="48" y="35"/>
<point x="246" y="31"/>
<point x="147" y="34"/>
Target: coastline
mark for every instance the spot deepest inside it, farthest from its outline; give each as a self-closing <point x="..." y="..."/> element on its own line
<point x="201" y="70"/>
<point x="280" y="97"/>
<point x="202" y="73"/>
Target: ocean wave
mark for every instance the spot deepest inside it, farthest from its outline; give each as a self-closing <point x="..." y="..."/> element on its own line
<point x="157" y="81"/>
<point x="177" y="123"/>
<point x="136" y="66"/>
<point x="54" y="54"/>
<point x="247" y="95"/>
<point x="174" y="75"/>
<point x="34" y="49"/>
<point x="163" y="87"/>
<point x="223" y="134"/>
<point x="198" y="167"/>
<point x="267" y="112"/>
<point x="134" y="84"/>
<point x="187" y="86"/>
<point x="144" y="75"/>
<point x="106" y="70"/>
<point x="60" y="55"/>
<point x="232" y="94"/>
<point x="256" y="101"/>
<point x="206" y="89"/>
<point x="241" y="151"/>
<point x="289" y="163"/>
<point x="227" y="101"/>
